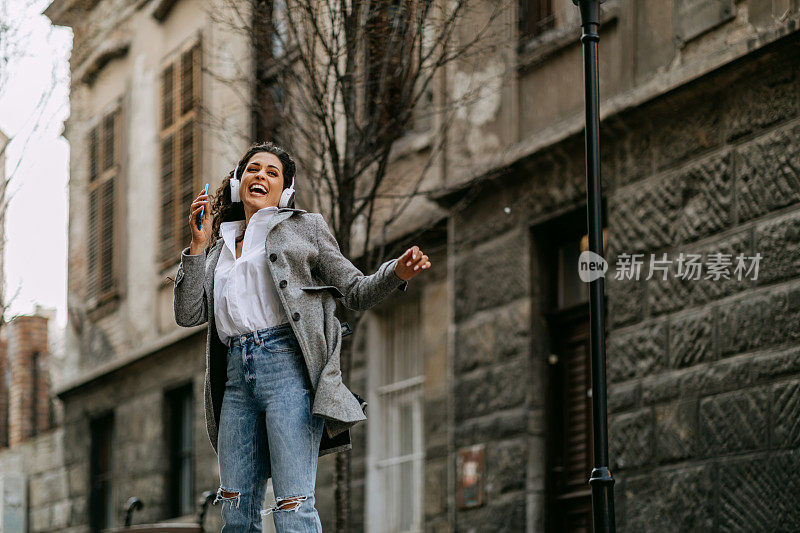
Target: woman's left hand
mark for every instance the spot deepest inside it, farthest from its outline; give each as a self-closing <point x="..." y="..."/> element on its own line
<point x="411" y="263"/>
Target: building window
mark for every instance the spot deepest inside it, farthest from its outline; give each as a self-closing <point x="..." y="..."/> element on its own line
<point x="104" y="183"/>
<point x="271" y="57"/>
<point x="537" y="16"/>
<point x="179" y="418"/>
<point x="386" y="70"/>
<point x="179" y="142"/>
<point x="396" y="452"/>
<point x="101" y="500"/>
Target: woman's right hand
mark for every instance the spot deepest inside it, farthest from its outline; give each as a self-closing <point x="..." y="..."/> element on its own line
<point x="200" y="236"/>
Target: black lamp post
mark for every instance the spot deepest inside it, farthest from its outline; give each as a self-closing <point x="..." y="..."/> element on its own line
<point x="601" y="481"/>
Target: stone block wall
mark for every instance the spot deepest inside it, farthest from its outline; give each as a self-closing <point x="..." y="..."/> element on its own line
<point x="493" y="389"/>
<point x="705" y="380"/>
<point x="704" y="374"/>
<point x="39" y="463"/>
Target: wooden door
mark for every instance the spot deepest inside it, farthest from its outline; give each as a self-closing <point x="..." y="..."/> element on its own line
<point x="569" y="411"/>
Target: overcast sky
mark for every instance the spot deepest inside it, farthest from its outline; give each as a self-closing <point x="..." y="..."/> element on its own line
<point x="36" y="222"/>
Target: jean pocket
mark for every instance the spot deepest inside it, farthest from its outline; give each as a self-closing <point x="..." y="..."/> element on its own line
<point x="278" y="346"/>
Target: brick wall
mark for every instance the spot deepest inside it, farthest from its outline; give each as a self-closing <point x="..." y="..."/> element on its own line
<point x="29" y="391"/>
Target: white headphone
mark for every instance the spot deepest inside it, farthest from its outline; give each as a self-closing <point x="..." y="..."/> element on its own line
<point x="287" y="196"/>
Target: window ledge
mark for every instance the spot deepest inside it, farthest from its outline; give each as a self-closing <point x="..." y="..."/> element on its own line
<point x="162" y="9"/>
<point x="170" y="271"/>
<point x="103" y="307"/>
<point x="535" y="50"/>
<point x="107" y="52"/>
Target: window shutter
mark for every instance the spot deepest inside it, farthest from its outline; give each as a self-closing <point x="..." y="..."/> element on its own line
<point x="93" y="155"/>
<point x="167" y="195"/>
<point x="93" y="245"/>
<point x="167" y="97"/>
<point x="187" y="174"/>
<point x="109" y="145"/>
<point x="188" y="62"/>
<point x="577" y="382"/>
<point x="107" y="244"/>
<point x="180" y="150"/>
<point x="104" y="171"/>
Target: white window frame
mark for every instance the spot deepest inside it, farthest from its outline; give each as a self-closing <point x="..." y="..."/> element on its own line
<point x="395" y="329"/>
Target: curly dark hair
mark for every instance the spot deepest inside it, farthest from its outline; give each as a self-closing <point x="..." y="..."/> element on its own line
<point x="223" y="210"/>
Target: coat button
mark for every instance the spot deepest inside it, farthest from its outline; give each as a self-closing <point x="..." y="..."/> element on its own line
<point x="282" y="283"/>
<point x="273" y="257"/>
<point x="296" y="316"/>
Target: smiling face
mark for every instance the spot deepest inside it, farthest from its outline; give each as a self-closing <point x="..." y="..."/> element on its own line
<point x="261" y="183"/>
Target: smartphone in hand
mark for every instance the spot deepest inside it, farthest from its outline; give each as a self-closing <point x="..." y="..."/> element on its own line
<point x="200" y="216"/>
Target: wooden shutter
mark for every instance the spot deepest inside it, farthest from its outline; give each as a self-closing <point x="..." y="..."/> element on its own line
<point x="569" y="423"/>
<point x="189" y="71"/>
<point x="93" y="245"/>
<point x="179" y="150"/>
<point x="577" y="381"/>
<point x="94" y="164"/>
<point x="109" y="141"/>
<point x="107" y="242"/>
<point x="103" y="246"/>
<point x="188" y="177"/>
<point x="167" y="97"/>
<point x="167" y="200"/>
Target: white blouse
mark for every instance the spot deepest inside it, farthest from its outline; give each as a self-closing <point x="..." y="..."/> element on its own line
<point x="245" y="298"/>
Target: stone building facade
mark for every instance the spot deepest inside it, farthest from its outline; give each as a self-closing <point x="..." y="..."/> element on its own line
<point x="477" y="377"/>
<point x="699" y="141"/>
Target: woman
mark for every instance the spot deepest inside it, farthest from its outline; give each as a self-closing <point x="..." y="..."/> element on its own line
<point x="266" y="287"/>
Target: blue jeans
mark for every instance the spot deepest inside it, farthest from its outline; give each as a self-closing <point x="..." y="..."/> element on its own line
<point x="267" y="375"/>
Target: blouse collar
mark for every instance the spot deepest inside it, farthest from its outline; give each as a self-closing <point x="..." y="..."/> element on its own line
<point x="230" y="230"/>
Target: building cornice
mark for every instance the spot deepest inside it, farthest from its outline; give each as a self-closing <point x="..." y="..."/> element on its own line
<point x="103" y="371"/>
<point x="659" y="85"/>
<point x="65" y="12"/>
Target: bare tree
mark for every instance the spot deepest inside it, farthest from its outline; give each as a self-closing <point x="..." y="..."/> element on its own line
<point x="341" y="84"/>
<point x="15" y="35"/>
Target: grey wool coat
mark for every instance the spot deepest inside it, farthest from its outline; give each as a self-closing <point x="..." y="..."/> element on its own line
<point x="309" y="273"/>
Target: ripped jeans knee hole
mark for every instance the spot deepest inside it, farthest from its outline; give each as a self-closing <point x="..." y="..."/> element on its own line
<point x="291" y="503"/>
<point x="227" y="495"/>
